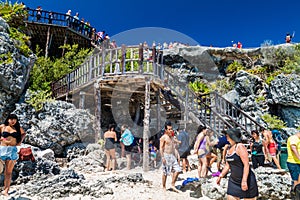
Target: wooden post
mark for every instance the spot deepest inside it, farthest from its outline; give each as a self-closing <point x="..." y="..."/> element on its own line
<point x="65" y="42"/>
<point x="97" y="95"/>
<point x="146" y="126"/>
<point x="154" y="60"/>
<point x="186" y="106"/>
<point x="47" y="42"/>
<point x="141" y="58"/>
<point x="161" y="68"/>
<point x="123" y="59"/>
<point x="158" y="113"/>
<point x="103" y="60"/>
<point x="82" y="99"/>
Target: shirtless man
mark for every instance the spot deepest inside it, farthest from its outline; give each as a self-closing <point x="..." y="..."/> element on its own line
<point x="169" y="160"/>
<point x="269" y="146"/>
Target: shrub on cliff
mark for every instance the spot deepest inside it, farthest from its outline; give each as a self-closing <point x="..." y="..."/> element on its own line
<point x="46" y="70"/>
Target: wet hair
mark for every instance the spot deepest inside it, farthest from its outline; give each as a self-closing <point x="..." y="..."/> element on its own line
<point x="255" y="131"/>
<point x="201" y="128"/>
<point x="168" y="123"/>
<point x="17" y="124"/>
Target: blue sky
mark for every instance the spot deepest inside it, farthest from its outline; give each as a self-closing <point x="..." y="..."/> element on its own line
<point x="212" y="22"/>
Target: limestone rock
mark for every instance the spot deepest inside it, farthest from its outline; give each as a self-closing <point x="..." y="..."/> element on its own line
<point x="14" y="71"/>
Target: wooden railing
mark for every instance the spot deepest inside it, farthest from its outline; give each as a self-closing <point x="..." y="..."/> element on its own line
<point x="54" y="18"/>
<point x="212" y="109"/>
<point x="125" y="60"/>
<point x="199" y="105"/>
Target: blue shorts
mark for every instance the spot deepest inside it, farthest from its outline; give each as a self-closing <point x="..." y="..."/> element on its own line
<point x="8" y="153"/>
<point x="294" y="170"/>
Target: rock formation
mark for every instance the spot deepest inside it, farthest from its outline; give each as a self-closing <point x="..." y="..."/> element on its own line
<point x="14" y="71"/>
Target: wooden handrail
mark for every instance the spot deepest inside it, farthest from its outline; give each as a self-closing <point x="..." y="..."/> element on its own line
<point x="61" y="19"/>
<point x="108" y="62"/>
<point x="212" y="109"/>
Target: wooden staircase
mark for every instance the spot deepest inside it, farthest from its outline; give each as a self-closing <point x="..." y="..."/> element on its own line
<point x="210" y="109"/>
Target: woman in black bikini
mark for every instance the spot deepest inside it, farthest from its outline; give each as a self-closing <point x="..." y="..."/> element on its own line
<point x="242" y="182"/>
<point x="11" y="136"/>
<point x="110" y="137"/>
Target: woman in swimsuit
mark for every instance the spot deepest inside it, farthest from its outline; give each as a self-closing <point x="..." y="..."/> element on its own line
<point x="110" y="138"/>
<point x="201" y="150"/>
<point x="12" y="135"/>
<point x="242" y="182"/>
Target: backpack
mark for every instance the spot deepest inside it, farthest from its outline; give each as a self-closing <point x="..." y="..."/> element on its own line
<point x="127" y="138"/>
<point x="25" y="154"/>
<point x="277" y="138"/>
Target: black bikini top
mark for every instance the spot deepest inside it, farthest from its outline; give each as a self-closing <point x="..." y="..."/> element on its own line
<point x="16" y="135"/>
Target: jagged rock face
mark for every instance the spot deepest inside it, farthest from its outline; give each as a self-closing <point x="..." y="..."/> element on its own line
<point x="247" y="84"/>
<point x="195" y="56"/>
<point x="58" y="125"/>
<point x="14" y="71"/>
<point x="285" y="95"/>
<point x="285" y="90"/>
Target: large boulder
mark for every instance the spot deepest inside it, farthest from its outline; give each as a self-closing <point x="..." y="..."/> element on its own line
<point x="58" y="125"/>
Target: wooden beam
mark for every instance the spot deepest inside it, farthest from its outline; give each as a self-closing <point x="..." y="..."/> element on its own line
<point x="146" y="131"/>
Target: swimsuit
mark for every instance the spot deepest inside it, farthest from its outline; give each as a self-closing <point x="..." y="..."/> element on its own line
<point x="15" y="135"/>
<point x="10" y="152"/>
<point x="272" y="148"/>
<point x="235" y="179"/>
<point x="152" y="152"/>
<point x="202" y="150"/>
<point x="257" y="157"/>
<point x="109" y="143"/>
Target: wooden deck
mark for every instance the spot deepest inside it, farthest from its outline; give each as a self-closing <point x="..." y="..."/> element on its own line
<point x="50" y="35"/>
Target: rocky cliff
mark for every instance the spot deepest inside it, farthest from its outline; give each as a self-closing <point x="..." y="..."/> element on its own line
<point x="250" y="92"/>
<point x="61" y="129"/>
<point x="14" y="71"/>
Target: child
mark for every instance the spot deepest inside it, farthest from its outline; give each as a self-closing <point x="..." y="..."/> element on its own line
<point x="153" y="152"/>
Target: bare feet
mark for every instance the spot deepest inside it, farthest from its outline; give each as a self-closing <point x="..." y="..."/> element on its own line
<point x="164" y="189"/>
<point x="173" y="188"/>
<point x="5" y="193"/>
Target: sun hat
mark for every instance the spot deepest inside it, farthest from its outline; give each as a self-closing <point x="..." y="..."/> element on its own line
<point x="234" y="133"/>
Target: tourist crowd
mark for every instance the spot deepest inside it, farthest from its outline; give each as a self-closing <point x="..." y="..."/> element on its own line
<point x="171" y="148"/>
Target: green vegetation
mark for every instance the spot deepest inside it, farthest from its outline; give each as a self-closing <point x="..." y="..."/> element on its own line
<point x="259" y="99"/>
<point x="222" y="86"/>
<point x="47" y="70"/>
<point x="13" y="14"/>
<point x="234" y="67"/>
<point x="38" y="98"/>
<point x="6" y="58"/>
<point x="281" y="61"/>
<point x="199" y="87"/>
<point x="273" y="122"/>
<point x="20" y="40"/>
